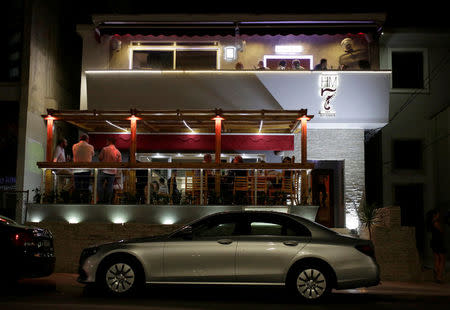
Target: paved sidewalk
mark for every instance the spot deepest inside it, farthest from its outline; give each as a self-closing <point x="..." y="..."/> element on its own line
<point x="67" y="282"/>
<point x="405" y="288"/>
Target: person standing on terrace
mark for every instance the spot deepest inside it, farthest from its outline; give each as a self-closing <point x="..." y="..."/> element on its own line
<point x="105" y="181"/>
<point x="82" y="153"/>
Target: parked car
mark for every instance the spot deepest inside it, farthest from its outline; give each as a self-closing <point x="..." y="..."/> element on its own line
<point x="26" y="252"/>
<point x="248" y="247"/>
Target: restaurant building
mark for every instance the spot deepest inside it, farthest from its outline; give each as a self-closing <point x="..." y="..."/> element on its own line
<point x="162" y="84"/>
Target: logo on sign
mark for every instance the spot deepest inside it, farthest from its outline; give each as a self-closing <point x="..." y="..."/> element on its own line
<point x="328" y="87"/>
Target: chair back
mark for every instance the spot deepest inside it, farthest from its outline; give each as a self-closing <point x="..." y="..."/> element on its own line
<point x="240" y="183"/>
<point x="261" y="184"/>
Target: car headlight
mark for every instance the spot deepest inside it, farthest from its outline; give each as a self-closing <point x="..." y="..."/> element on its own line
<point x="88" y="252"/>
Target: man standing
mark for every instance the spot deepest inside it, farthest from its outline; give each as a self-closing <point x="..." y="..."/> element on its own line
<point x="105" y="182"/>
<point x="82" y="152"/>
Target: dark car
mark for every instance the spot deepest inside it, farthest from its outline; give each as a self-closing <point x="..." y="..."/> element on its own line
<point x="26" y="252"/>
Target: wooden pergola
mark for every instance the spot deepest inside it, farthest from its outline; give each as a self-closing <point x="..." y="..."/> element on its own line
<point x="182" y="121"/>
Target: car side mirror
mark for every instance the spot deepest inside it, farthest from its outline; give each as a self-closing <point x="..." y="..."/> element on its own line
<point x="186" y="233"/>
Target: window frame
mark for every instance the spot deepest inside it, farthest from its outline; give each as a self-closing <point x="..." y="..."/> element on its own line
<point x="173" y="48"/>
<point x="424" y="52"/>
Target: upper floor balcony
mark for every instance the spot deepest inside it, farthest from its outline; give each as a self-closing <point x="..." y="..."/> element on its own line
<point x="239" y="62"/>
<point x="339" y="99"/>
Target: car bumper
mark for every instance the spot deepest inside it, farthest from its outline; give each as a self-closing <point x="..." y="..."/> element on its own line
<point x="35" y="267"/>
<point x="369" y="276"/>
<point x="87" y="270"/>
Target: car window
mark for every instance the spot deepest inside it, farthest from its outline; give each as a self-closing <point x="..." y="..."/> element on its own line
<point x="217" y="229"/>
<point x="265" y="228"/>
<point x="217" y="226"/>
<point x="274" y="225"/>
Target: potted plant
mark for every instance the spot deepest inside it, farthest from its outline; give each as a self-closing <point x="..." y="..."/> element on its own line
<point x="368" y="215"/>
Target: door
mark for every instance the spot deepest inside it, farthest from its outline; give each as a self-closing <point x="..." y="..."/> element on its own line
<point x="323" y="194"/>
<point x="208" y="256"/>
<point x="267" y="246"/>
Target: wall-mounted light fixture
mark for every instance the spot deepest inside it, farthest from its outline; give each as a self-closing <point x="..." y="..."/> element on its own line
<point x="288" y="49"/>
<point x="229" y="53"/>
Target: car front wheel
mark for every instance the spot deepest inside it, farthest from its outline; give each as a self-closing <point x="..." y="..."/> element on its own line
<point x="121" y="277"/>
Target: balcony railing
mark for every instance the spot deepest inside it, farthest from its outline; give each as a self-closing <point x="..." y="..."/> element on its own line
<point x="174" y="183"/>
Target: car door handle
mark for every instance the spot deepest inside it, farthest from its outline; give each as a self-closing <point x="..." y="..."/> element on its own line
<point x="225" y="241"/>
<point x="290" y="243"/>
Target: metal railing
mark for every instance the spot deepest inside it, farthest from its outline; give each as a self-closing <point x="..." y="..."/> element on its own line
<point x="186" y="184"/>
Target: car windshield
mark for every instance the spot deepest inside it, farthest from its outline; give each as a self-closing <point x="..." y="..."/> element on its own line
<point x="6" y="220"/>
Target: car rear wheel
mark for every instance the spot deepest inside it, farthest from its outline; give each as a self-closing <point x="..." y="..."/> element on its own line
<point x="311" y="283"/>
<point x="121" y="276"/>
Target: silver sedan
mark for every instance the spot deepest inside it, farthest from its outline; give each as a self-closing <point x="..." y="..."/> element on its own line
<point x="239" y="248"/>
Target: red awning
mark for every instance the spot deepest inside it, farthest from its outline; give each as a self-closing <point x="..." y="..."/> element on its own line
<point x="188" y="142"/>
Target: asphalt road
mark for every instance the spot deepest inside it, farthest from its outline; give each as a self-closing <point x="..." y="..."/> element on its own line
<point x="61" y="291"/>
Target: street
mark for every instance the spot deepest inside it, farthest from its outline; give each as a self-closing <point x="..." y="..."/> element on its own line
<point x="61" y="291"/>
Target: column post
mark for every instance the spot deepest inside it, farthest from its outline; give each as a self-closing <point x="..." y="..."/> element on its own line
<point x="303" y="174"/>
<point x="218" y="148"/>
<point x="49" y="154"/>
<point x="132" y="173"/>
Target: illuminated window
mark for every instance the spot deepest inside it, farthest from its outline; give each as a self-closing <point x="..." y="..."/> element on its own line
<point x="174" y="56"/>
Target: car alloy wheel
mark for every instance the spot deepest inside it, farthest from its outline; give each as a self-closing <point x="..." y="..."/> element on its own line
<point x="311" y="283"/>
<point x="120" y="277"/>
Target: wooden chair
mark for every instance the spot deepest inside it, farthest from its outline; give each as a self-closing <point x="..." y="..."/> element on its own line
<point x="194" y="187"/>
<point x="289" y="188"/>
<point x="240" y="187"/>
<point x="261" y="188"/>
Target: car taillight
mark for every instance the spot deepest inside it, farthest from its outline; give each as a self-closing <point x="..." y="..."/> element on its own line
<point x="366" y="249"/>
<point x="22" y="239"/>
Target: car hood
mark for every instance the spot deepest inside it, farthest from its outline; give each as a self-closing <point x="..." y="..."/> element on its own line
<point x="158" y="238"/>
<point x="37" y="231"/>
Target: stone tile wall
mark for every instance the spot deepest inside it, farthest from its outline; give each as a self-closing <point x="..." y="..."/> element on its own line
<point x="339" y="144"/>
<point x="71" y="239"/>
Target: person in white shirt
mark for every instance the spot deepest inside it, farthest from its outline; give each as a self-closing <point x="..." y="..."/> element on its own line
<point x="105" y="181"/>
<point x="60" y="154"/>
<point x="82" y="152"/>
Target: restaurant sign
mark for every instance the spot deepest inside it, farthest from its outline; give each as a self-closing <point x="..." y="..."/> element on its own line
<point x="328" y="88"/>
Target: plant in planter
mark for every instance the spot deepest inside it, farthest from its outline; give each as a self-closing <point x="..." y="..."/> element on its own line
<point x="37" y="195"/>
<point x="368" y="215"/>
